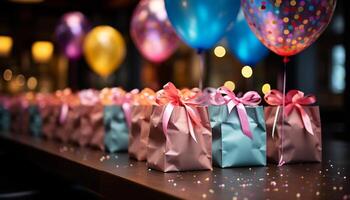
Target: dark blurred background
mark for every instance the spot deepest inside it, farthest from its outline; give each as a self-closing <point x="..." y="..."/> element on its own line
<point x="321" y="69"/>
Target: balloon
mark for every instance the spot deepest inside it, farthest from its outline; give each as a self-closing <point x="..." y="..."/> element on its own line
<point x="201" y="23"/>
<point x="288" y="27"/>
<point x="70" y="33"/>
<point x="243" y="43"/>
<point x="152" y="32"/>
<point x="104" y="50"/>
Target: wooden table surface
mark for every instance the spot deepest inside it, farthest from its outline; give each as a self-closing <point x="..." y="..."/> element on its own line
<point x="114" y="175"/>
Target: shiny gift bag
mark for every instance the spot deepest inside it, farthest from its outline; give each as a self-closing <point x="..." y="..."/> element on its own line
<point x="180" y="135"/>
<point x="239" y="132"/>
<point x="140" y="124"/>
<point x="139" y="131"/>
<point x="49" y="115"/>
<point x="116" y="120"/>
<point x="231" y="147"/>
<point x="116" y="129"/>
<point x="298" y="139"/>
<point x="68" y="122"/>
<point x="5" y="118"/>
<point x="35" y="121"/>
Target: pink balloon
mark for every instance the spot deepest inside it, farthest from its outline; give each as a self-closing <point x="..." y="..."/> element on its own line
<point x="288" y="27"/>
<point x="152" y="32"/>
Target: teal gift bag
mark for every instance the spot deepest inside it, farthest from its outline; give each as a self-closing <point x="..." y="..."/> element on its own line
<point x="5" y="120"/>
<point x="233" y="148"/>
<point x="35" y="122"/>
<point x="116" y="129"/>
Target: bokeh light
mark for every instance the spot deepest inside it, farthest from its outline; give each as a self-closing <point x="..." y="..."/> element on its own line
<point x="266" y="88"/>
<point x="220" y="51"/>
<point x="20" y="79"/>
<point x="42" y="51"/>
<point x="7" y="75"/>
<point x="247" y="71"/>
<point x="5" y="45"/>
<point x="230" y="85"/>
<point x="32" y="83"/>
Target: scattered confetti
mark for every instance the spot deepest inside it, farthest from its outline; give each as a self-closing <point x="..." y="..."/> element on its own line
<point x="273" y="183"/>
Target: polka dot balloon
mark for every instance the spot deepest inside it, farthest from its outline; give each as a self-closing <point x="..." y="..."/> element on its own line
<point x="288" y="26"/>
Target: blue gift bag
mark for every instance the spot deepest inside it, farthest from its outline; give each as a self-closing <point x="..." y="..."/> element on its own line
<point x="231" y="147"/>
<point x="116" y="129"/>
<point x="35" y="122"/>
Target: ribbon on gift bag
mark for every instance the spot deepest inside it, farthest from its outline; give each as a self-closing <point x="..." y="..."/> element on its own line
<point x="250" y="98"/>
<point x="68" y="99"/>
<point x="170" y="96"/>
<point x="210" y="96"/>
<point x="295" y="99"/>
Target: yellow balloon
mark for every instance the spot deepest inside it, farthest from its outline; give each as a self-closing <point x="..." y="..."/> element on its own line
<point x="104" y="50"/>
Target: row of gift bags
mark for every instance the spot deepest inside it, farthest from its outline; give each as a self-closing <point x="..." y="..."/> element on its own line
<point x="179" y="130"/>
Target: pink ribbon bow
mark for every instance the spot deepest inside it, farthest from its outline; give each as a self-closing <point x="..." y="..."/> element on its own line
<point x="210" y="96"/>
<point x="250" y="98"/>
<point x="295" y="99"/>
<point x="89" y="97"/>
<point x="125" y="100"/>
<point x="171" y="97"/>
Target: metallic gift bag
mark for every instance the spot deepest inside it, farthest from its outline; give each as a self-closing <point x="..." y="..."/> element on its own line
<point x="177" y="150"/>
<point x="139" y="131"/>
<point x="231" y="147"/>
<point x="68" y="122"/>
<point x="49" y="114"/>
<point x="35" y="121"/>
<point x="116" y="129"/>
<point x="90" y="126"/>
<point x="5" y="119"/>
<point x="296" y="144"/>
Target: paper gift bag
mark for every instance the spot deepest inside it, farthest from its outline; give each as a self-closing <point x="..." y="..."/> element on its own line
<point x="35" y="121"/>
<point x="298" y="139"/>
<point x="231" y="147"/>
<point x="5" y="116"/>
<point x="140" y="124"/>
<point x="49" y="115"/>
<point x="68" y="123"/>
<point x="91" y="125"/>
<point x="139" y="132"/>
<point x="115" y="129"/>
<point x="116" y="120"/>
<point x="239" y="132"/>
<point x="180" y="135"/>
<point x="49" y="108"/>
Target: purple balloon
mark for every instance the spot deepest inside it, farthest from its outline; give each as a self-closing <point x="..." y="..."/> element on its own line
<point x="70" y="33"/>
<point x="152" y="32"/>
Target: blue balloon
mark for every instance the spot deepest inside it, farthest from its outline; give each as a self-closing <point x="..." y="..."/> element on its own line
<point x="244" y="44"/>
<point x="201" y="23"/>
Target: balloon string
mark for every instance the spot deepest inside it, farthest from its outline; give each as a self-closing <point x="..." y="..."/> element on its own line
<point x="285" y="61"/>
<point x="201" y="55"/>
